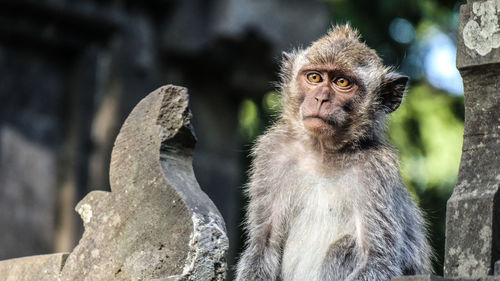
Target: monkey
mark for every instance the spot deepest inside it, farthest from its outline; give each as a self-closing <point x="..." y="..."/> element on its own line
<point x="326" y="199"/>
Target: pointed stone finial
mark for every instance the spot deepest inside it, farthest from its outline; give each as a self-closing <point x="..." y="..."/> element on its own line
<point x="156" y="224"/>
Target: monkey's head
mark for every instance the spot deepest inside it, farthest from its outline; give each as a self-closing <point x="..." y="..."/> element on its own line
<point x="338" y="91"/>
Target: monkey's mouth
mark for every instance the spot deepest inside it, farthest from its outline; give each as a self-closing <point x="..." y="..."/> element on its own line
<point x="327" y="120"/>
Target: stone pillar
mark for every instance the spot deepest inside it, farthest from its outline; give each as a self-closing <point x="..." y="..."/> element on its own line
<point x="473" y="211"/>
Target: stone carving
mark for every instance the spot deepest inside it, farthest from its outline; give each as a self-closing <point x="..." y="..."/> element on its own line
<point x="156" y="224"/>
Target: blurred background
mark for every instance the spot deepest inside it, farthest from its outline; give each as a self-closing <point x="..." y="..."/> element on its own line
<point x="72" y="70"/>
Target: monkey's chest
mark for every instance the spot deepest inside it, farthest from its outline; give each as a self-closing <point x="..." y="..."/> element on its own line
<point x="325" y="215"/>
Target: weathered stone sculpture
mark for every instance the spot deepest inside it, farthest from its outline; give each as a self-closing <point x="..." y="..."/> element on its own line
<point x="473" y="211"/>
<point x="156" y="224"/>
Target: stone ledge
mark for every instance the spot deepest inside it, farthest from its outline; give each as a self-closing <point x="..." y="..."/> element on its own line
<point x="33" y="268"/>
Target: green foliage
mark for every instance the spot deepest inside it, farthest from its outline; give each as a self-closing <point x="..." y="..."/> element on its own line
<point x="249" y="119"/>
<point x="254" y="117"/>
<point x="428" y="133"/>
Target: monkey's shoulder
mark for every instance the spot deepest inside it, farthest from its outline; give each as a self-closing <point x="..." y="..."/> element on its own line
<point x="276" y="144"/>
<point x="379" y="159"/>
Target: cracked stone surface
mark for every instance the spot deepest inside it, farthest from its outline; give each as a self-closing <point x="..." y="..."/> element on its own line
<point x="156" y="224"/>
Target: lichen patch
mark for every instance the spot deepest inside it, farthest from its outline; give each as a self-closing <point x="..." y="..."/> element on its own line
<point x="482" y="32"/>
<point x="85" y="212"/>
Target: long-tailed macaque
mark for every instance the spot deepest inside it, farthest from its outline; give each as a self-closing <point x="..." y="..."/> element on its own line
<point x="326" y="197"/>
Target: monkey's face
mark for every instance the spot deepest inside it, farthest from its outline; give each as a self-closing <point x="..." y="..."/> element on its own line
<point x="338" y="90"/>
<point x="329" y="94"/>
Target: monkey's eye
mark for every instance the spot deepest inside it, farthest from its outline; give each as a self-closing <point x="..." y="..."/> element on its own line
<point x="342" y="82"/>
<point x="314" y="77"/>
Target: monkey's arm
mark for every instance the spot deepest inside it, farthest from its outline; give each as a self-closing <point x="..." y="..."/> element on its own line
<point x="393" y="242"/>
<point x="265" y="221"/>
<point x="390" y="253"/>
<point x="373" y="255"/>
<point x="261" y="260"/>
<point x="262" y="257"/>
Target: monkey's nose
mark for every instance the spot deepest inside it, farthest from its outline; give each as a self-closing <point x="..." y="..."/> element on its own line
<point x="322" y="97"/>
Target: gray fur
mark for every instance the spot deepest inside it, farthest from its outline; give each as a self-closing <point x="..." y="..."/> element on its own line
<point x="335" y="214"/>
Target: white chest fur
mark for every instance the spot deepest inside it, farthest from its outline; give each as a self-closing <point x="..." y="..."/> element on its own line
<point x="326" y="214"/>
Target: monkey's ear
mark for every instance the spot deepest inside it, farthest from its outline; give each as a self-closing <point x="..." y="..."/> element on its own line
<point x="392" y="90"/>
<point x="287" y="65"/>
